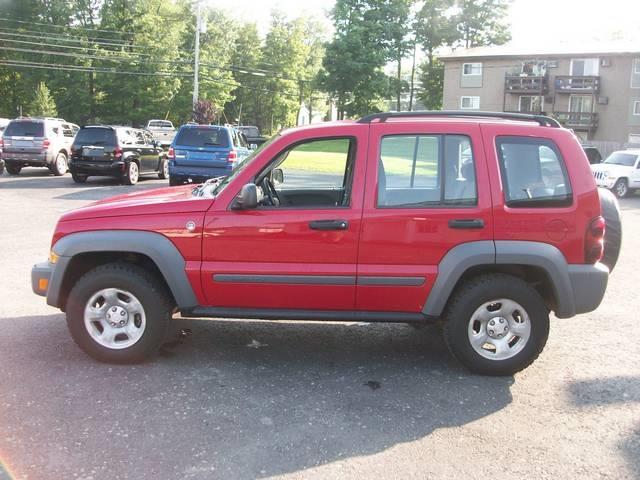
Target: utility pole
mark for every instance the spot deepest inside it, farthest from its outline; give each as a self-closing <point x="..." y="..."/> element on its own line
<point x="196" y="55"/>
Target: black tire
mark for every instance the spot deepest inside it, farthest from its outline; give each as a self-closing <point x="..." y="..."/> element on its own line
<point x="613" y="231"/>
<point x="173" y="182"/>
<point x="13" y="169"/>
<point x="1" y="167"/>
<point x="475" y="293"/>
<point x="151" y="293"/>
<point x="621" y="188"/>
<point x="79" y="178"/>
<point x="132" y="173"/>
<point x="163" y="171"/>
<point x="60" y="165"/>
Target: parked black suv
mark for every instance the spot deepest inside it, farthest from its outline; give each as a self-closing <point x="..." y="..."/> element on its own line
<point x="120" y="152"/>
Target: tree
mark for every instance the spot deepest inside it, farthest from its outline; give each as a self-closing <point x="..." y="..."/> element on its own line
<point x="43" y="104"/>
<point x="397" y="22"/>
<point x="204" y="112"/>
<point x="431" y="77"/>
<point x="483" y="22"/>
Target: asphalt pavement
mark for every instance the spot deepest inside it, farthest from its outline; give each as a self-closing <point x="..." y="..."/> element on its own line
<point x="289" y="400"/>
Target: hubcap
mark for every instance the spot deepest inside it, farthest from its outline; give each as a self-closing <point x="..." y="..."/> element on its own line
<point x="499" y="329"/>
<point x="622" y="189"/>
<point x="114" y="318"/>
<point x="61" y="164"/>
<point x="165" y="168"/>
<point x="133" y="172"/>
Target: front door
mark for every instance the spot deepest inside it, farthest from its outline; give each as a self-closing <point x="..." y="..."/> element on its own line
<point x="298" y="249"/>
<point x="428" y="193"/>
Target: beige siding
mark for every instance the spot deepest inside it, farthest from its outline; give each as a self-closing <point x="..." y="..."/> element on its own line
<point x="615" y="122"/>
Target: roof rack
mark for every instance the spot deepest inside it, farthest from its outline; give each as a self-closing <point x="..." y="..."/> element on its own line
<point x="542" y="120"/>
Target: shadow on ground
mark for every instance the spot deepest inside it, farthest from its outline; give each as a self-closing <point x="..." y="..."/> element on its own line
<point x="232" y="400"/>
<point x="611" y="391"/>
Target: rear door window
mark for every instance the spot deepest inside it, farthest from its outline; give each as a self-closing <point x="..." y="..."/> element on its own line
<point x="95" y="136"/>
<point x="24" y="129"/>
<point x="533" y="173"/>
<point x="202" y="137"/>
<point x="417" y="171"/>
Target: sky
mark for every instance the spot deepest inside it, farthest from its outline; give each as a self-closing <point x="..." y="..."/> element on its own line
<point x="533" y="21"/>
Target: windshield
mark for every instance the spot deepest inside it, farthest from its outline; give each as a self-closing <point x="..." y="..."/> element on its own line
<point x="202" y="137"/>
<point x="217" y="186"/>
<point x="25" y="129"/>
<point x="619" y="158"/>
<point x="250" y="131"/>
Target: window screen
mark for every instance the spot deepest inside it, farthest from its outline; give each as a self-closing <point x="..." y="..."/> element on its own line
<point x="533" y="173"/>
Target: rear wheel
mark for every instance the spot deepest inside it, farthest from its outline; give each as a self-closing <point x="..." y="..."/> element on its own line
<point x="496" y="324"/>
<point x="621" y="188"/>
<point x="173" y="181"/>
<point x="79" y="178"/>
<point x="13" y="169"/>
<point x="613" y="228"/>
<point x="163" y="171"/>
<point x="59" y="166"/>
<point x="132" y="173"/>
<point x="119" y="313"/>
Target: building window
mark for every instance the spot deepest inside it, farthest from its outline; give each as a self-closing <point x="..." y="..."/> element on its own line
<point x="634" y="138"/>
<point x="470" y="103"/>
<point x="530" y="103"/>
<point x="636" y="66"/>
<point x="636" y="107"/>
<point x="471" y="69"/>
<point x="585" y="66"/>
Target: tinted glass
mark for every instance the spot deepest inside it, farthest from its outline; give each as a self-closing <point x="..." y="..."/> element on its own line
<point x="533" y="173"/>
<point x="95" y="136"/>
<point x="24" y="129"/>
<point x="202" y="137"/>
<point x="250" y="131"/>
<point x="161" y="123"/>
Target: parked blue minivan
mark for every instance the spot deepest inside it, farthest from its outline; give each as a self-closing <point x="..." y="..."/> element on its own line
<point x="200" y="152"/>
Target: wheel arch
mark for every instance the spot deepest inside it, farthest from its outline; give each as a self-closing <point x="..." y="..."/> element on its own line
<point x="80" y="252"/>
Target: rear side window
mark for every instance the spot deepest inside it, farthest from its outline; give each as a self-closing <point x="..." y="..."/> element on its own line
<point x="24" y="129"/>
<point x="95" y="136"/>
<point x="202" y="137"/>
<point x="426" y="170"/>
<point x="533" y="173"/>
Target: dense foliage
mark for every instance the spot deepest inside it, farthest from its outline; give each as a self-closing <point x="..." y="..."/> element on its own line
<point x="126" y="61"/>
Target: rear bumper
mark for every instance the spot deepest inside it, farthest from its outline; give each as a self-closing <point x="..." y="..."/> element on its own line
<point x="40" y="278"/>
<point x="27" y="159"/>
<point x="114" y="169"/>
<point x="589" y="283"/>
<point x="186" y="174"/>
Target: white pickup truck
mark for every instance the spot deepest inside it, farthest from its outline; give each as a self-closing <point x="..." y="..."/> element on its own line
<point x="163" y="131"/>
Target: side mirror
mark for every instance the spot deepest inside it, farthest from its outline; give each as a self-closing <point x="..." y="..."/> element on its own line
<point x="277" y="176"/>
<point x="247" y="198"/>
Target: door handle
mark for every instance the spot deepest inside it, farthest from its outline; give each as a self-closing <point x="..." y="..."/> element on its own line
<point x="329" y="225"/>
<point x="466" y="223"/>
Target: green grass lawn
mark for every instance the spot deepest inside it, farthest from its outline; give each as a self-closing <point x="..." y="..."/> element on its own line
<point x="329" y="156"/>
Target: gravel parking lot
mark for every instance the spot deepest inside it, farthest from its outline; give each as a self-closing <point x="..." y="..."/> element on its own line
<point x="303" y="400"/>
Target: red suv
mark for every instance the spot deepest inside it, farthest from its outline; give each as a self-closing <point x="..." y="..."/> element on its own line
<point x="483" y="222"/>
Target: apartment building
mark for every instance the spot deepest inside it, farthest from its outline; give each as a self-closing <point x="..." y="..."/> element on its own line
<point x="594" y="91"/>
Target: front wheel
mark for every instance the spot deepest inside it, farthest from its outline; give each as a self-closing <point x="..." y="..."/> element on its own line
<point x="132" y="173"/>
<point x="621" y="188"/>
<point x="79" y="177"/>
<point x="119" y="313"/>
<point x="496" y="324"/>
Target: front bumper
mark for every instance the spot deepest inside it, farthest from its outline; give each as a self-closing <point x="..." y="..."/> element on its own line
<point x="41" y="274"/>
<point x="606" y="182"/>
<point x="589" y="283"/>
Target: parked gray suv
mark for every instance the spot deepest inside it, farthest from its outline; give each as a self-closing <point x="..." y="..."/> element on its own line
<point x="37" y="142"/>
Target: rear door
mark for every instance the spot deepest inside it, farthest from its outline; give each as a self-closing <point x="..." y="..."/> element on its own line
<point x="94" y="146"/>
<point x="202" y="146"/>
<point x="24" y="138"/>
<point x="427" y="192"/>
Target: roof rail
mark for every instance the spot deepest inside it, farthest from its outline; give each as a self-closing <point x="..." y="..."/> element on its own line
<point x="542" y="120"/>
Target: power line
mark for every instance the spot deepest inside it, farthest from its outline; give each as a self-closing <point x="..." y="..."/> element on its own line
<point x="53" y="25"/>
<point x="66" y="38"/>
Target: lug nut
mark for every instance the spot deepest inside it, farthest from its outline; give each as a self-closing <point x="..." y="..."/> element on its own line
<point x="492" y="322"/>
<point x="490" y="332"/>
<point x="121" y="323"/>
<point x="113" y="324"/>
<point x="502" y="320"/>
<point x="122" y="313"/>
<point x="114" y="309"/>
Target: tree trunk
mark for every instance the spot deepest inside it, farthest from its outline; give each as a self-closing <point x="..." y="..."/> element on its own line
<point x="413" y="73"/>
<point x="399" y="87"/>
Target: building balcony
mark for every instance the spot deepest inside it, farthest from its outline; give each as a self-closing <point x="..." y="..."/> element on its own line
<point x="526" y="84"/>
<point x="578" y="120"/>
<point x="577" y="84"/>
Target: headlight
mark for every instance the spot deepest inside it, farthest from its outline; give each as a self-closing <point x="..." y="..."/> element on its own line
<point x="53" y="257"/>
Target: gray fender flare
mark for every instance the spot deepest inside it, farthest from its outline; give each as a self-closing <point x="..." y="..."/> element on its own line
<point x="502" y="252"/>
<point x="154" y="245"/>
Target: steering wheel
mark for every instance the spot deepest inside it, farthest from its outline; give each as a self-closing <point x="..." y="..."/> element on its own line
<point x="270" y="191"/>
